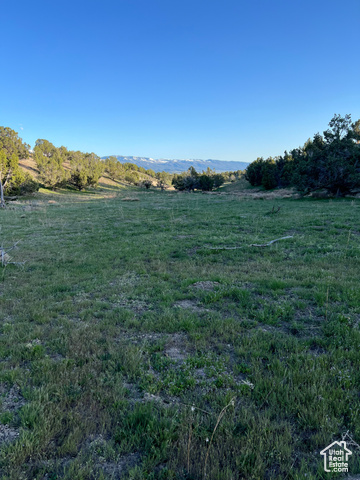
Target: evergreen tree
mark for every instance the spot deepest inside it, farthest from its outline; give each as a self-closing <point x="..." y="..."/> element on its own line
<point x="49" y="162"/>
<point x="95" y="168"/>
<point x="205" y="182"/>
<point x="11" y="143"/>
<point x="86" y="169"/>
<point x="331" y="161"/>
<point x="114" y="168"/>
<point x="253" y="173"/>
<point x="268" y="173"/>
<point x="218" y="180"/>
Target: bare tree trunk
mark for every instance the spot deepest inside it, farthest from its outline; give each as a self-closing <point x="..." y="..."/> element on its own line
<point x="2" y="201"/>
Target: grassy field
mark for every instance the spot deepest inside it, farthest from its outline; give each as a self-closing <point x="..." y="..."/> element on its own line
<point x="145" y="338"/>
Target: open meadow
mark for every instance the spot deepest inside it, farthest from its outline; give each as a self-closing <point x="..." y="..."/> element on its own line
<point x="145" y="337"/>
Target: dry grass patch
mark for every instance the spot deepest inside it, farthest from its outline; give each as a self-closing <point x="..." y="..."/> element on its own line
<point x="130" y="199"/>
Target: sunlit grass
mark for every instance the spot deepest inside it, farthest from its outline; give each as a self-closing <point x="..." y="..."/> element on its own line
<point x="132" y="324"/>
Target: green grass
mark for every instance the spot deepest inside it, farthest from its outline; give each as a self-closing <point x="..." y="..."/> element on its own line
<point x="119" y="366"/>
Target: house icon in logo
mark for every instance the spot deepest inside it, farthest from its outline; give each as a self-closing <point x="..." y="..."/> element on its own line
<point x="336" y="457"/>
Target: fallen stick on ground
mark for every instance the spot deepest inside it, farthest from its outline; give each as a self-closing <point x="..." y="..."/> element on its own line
<point x="273" y="211"/>
<point x="272" y="241"/>
<point x="223" y="248"/>
<point x="242" y="246"/>
<point x="10" y="248"/>
<point x="5" y="257"/>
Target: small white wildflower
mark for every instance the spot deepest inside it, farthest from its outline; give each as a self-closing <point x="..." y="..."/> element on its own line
<point x="207" y="439"/>
<point x="193" y="408"/>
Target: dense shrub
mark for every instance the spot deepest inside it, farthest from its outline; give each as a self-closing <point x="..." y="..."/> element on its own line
<point x="268" y="180"/>
<point x="253" y="173"/>
<point x="206" y="181"/>
<point x="132" y="177"/>
<point x="29" y="185"/>
<point x="147" y="184"/>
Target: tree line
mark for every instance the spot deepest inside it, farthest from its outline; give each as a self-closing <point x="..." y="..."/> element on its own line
<point x="328" y="162"/>
<point x="59" y="167"/>
<point x="206" y="181"/>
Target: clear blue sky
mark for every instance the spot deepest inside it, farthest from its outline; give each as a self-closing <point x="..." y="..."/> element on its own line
<point x="223" y="79"/>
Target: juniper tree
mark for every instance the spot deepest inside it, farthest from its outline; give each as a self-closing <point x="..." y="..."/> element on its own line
<point x="49" y="162"/>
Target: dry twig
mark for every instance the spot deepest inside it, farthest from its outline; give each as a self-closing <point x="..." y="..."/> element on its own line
<point x="5" y="257"/>
<point x="222" y="413"/>
<point x="273" y="211"/>
<point x="223" y="248"/>
<point x="349" y="440"/>
<point x="272" y="241"/>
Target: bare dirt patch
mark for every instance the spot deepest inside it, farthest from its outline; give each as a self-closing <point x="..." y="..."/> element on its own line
<point x="114" y="468"/>
<point x="11" y="399"/>
<point x="117" y="470"/>
<point x="29" y="165"/>
<point x="7" y="434"/>
<point x="207" y="285"/>
<point x="176" y="347"/>
<point x="175" y="354"/>
<point x="129" y="279"/>
<point x="137" y="306"/>
<point x="190" y="305"/>
<point x="166" y="402"/>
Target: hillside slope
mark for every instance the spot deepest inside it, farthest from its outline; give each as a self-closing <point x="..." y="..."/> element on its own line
<point x="29" y="165"/>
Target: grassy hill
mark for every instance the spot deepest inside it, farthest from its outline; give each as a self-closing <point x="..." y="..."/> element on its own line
<point x="149" y="339"/>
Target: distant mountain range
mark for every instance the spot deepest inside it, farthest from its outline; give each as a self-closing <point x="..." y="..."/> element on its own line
<point x="178" y="166"/>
